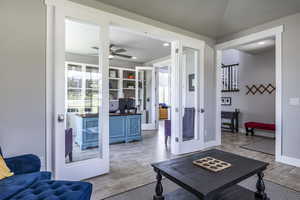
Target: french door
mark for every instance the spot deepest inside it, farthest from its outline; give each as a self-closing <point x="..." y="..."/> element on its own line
<point x="145" y="94"/>
<point x="81" y="125"/>
<point x="187" y="110"/>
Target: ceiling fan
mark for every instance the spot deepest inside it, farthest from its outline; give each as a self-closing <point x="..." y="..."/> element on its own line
<point x="116" y="51"/>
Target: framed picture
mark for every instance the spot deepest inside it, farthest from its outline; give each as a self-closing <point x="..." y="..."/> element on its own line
<point x="191" y="82"/>
<point x="226" y="101"/>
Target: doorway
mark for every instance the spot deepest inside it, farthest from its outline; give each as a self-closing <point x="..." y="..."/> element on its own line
<point x="134" y="78"/>
<point x="256" y="38"/>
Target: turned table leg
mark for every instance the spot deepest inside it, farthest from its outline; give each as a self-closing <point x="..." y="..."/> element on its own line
<point x="159" y="188"/>
<point x="260" y="186"/>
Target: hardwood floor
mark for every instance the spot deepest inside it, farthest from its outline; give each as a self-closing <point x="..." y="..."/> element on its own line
<point x="130" y="163"/>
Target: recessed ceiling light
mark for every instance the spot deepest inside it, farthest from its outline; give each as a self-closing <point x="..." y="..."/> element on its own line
<point x="262" y="43"/>
<point x="134" y="58"/>
<point x="110" y="56"/>
<point x="166" y="44"/>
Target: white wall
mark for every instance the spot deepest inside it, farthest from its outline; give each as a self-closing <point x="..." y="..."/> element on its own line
<point x="22" y="77"/>
<point x="253" y="69"/>
<point x="290" y="79"/>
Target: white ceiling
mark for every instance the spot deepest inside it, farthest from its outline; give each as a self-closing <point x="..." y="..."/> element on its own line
<point x="80" y="38"/>
<point x="258" y="46"/>
<point x="213" y="18"/>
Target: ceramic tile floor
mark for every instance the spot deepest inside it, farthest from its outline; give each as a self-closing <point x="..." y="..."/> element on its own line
<point x="130" y="163"/>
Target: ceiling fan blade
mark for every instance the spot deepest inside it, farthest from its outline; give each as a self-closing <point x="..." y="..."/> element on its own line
<point x="121" y="55"/>
<point x="120" y="50"/>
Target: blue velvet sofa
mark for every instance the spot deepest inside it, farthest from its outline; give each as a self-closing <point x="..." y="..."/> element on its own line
<point x="29" y="183"/>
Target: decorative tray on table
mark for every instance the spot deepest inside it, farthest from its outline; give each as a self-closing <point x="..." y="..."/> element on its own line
<point x="212" y="164"/>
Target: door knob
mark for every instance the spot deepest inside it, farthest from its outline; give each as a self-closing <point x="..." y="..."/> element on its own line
<point x="202" y="110"/>
<point x="60" y="117"/>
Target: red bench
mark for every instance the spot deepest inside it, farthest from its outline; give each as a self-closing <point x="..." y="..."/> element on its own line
<point x="250" y="126"/>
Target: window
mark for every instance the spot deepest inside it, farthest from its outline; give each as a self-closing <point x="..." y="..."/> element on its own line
<point x="230" y="78"/>
<point x="82" y="88"/>
<point x="164" y="87"/>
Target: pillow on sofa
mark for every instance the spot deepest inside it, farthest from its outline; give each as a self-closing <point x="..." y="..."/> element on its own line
<point x="4" y="170"/>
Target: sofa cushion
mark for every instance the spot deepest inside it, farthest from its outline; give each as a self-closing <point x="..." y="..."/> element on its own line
<point x="24" y="164"/>
<point x="56" y="190"/>
<point x="45" y="175"/>
<point x="17" y="183"/>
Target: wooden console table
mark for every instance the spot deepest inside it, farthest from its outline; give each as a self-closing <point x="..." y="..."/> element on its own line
<point x="233" y="125"/>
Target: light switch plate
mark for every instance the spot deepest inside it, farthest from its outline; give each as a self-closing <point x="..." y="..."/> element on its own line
<point x="294" y="101"/>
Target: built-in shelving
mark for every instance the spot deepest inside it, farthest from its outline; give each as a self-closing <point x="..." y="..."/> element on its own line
<point x="114" y="78"/>
<point x="126" y="79"/>
<point x="121" y="83"/>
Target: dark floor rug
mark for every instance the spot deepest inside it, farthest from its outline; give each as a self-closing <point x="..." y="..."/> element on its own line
<point x="266" y="146"/>
<point x="274" y="191"/>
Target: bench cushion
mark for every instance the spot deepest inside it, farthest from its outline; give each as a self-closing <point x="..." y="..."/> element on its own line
<point x="259" y="125"/>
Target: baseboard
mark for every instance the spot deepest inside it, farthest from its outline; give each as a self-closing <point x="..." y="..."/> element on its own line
<point x="288" y="160"/>
<point x="211" y="144"/>
<point x="258" y="133"/>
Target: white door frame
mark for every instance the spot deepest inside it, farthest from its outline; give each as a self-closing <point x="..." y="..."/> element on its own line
<point x="146" y="29"/>
<point x="152" y="125"/>
<point x="56" y="61"/>
<point x="273" y="32"/>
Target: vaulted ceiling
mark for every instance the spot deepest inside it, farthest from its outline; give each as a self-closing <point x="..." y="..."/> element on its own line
<point x="213" y="18"/>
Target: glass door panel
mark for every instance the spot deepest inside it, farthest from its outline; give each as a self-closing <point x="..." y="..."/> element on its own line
<point x="189" y="93"/>
<point x="82" y="131"/>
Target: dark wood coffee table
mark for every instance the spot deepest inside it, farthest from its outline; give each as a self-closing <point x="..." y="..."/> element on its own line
<point x="198" y="183"/>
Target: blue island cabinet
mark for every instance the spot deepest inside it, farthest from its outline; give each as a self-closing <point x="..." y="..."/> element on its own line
<point x="86" y="131"/>
<point x="133" y="125"/>
<point x="117" y="129"/>
<point x="122" y="128"/>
